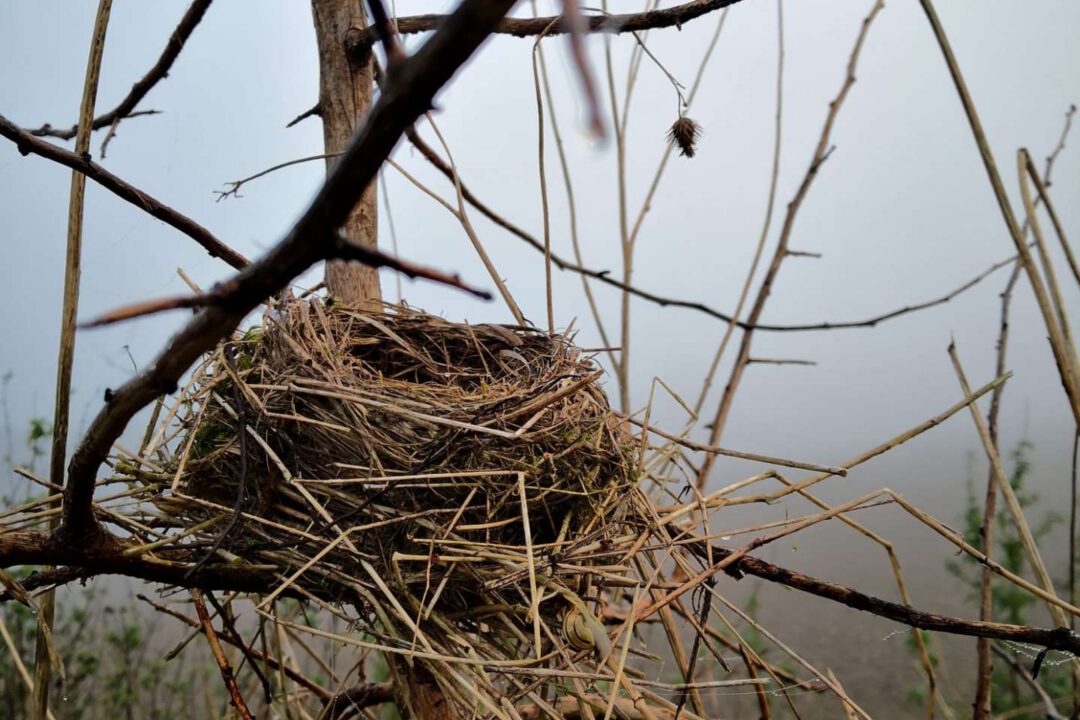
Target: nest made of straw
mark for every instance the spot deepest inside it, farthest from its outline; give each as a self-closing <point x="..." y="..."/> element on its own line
<point x="432" y="454"/>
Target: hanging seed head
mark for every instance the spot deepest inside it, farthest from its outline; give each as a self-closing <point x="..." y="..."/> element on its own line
<point x="684" y="135"/>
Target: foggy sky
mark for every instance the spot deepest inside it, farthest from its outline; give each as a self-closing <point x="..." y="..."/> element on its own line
<point x="902" y="211"/>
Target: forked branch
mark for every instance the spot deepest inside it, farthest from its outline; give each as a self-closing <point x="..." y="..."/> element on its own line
<point x="360" y="43"/>
<point x="160" y="70"/>
<point x="28" y="144"/>
<point x="312" y="238"/>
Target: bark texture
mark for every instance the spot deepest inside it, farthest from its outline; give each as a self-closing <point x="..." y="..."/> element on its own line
<point x="346" y="84"/>
<point x="345" y="90"/>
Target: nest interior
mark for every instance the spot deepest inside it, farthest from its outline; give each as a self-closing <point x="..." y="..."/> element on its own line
<point x="444" y="457"/>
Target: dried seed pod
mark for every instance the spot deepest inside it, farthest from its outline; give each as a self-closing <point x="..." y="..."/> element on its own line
<point x="684" y="134"/>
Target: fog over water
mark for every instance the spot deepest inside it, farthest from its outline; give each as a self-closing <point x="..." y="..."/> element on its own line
<point x="901" y="212"/>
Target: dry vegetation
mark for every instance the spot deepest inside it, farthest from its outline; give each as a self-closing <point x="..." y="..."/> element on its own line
<point x="381" y="506"/>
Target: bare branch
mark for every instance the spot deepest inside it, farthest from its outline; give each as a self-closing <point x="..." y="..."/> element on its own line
<point x="360" y="43"/>
<point x="1056" y="639"/>
<point x="605" y="277"/>
<point x="314" y="111"/>
<point x="37" y="548"/>
<point x="1049" y="707"/>
<point x="822" y="152"/>
<point x="139" y="90"/>
<point x="219" y="657"/>
<point x="344" y="251"/>
<point x="28" y="144"/>
<point x="270" y="660"/>
<point x="313" y="238"/>
<point x="351" y="701"/>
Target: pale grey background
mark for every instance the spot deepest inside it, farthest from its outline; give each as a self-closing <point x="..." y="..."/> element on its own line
<point x="902" y="212"/>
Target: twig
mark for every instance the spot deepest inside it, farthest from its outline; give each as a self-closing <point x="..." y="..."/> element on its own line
<point x="774" y="177"/>
<point x="148" y="307"/>
<point x="235" y="185"/>
<point x="354" y="699"/>
<point x="219" y="657"/>
<point x="604" y="276"/>
<point x="1055" y="639"/>
<point x="156" y="74"/>
<point x="35" y="548"/>
<point x="545" y="211"/>
<point x="1049" y="707"/>
<point x="222" y="293"/>
<point x="360" y="43"/>
<point x="1027" y="538"/>
<point x="313" y="238"/>
<point x="1068" y="347"/>
<point x="1052" y="157"/>
<point x="1044" y="196"/>
<point x="296" y="677"/>
<point x="228" y="624"/>
<point x="314" y="111"/>
<point x="82" y="163"/>
<point x="626" y="244"/>
<point x="466" y="225"/>
<point x="821" y="154"/>
<point x="45" y="652"/>
<point x="571" y="203"/>
<point x="714" y="450"/>
<point x="1061" y="353"/>
<point x="780" y="361"/>
<point x="981" y="704"/>
<point x="47" y="578"/>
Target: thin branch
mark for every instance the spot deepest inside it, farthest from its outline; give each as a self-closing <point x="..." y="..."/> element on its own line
<point x="313" y="238"/>
<point x="235" y="185"/>
<point x="385" y="33"/>
<point x="780" y="361"/>
<point x="712" y="450"/>
<point x="268" y="659"/>
<point x="46" y="579"/>
<point x="1055" y="639"/>
<point x="1027" y="537"/>
<point x="351" y="701"/>
<point x="821" y="153"/>
<point x="604" y="276"/>
<point x="44" y="652"/>
<point x="571" y="202"/>
<point x="1063" y="356"/>
<point x="28" y="144"/>
<point x="36" y="548"/>
<point x="219" y="657"/>
<point x="1049" y="708"/>
<point x="1040" y="187"/>
<point x="344" y="251"/>
<point x="463" y="217"/>
<point x="360" y="43"/>
<point x="985" y="661"/>
<point x="139" y="90"/>
<point x="314" y="111"/>
<point x="545" y="211"/>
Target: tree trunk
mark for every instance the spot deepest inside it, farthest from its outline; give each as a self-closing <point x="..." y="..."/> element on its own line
<point x="345" y="90"/>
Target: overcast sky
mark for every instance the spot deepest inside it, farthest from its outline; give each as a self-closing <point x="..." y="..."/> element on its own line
<point x="902" y="211"/>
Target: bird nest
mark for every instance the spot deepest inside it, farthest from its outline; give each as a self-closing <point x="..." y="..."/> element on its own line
<point x="394" y="457"/>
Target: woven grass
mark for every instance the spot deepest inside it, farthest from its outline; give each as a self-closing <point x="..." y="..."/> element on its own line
<point x="456" y="486"/>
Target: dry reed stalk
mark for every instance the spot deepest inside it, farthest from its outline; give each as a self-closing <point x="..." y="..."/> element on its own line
<point x="46" y="657"/>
